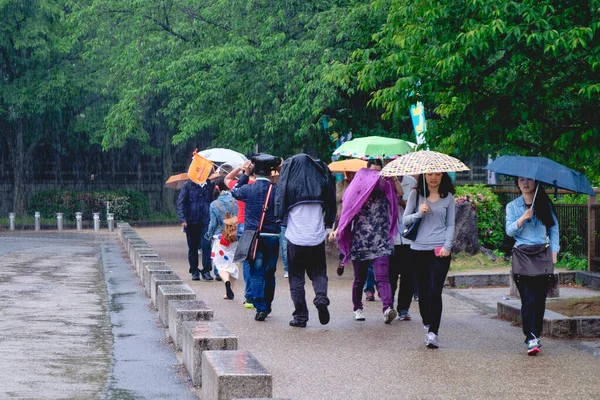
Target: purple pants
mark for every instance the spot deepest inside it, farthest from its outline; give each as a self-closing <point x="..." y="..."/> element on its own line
<point x="382" y="280"/>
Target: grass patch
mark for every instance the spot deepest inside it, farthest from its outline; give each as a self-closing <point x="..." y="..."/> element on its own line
<point x="465" y="262"/>
<point x="578" y="307"/>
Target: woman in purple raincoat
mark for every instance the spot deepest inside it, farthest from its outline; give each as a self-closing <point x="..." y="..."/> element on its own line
<point x="366" y="232"/>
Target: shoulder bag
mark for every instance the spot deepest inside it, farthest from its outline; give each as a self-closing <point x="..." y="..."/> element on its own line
<point x="410" y="232"/>
<point x="248" y="242"/>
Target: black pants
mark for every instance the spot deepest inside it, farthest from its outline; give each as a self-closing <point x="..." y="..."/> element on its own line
<point x="401" y="266"/>
<point x="310" y="260"/>
<point x="533" y="291"/>
<point x="195" y="236"/>
<point x="431" y="275"/>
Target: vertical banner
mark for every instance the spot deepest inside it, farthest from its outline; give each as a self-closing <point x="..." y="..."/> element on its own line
<point x="417" y="114"/>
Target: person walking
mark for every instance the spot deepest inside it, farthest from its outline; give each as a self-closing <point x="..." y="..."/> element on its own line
<point x="433" y="202"/>
<point x="368" y="225"/>
<point x="306" y="200"/>
<point x="531" y="221"/>
<point x="400" y="263"/>
<point x="223" y="217"/>
<point x="263" y="267"/>
<point x="193" y="210"/>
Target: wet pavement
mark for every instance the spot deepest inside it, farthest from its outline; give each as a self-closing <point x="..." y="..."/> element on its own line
<point x="75" y="324"/>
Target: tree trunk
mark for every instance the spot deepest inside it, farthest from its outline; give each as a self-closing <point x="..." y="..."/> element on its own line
<point x="167" y="195"/>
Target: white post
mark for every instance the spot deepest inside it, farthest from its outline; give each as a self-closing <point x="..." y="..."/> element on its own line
<point x="59" y="221"/>
<point x="11" y="220"/>
<point x="96" y="222"/>
<point x="78" y="216"/>
<point x="37" y="220"/>
<point x="111" y="221"/>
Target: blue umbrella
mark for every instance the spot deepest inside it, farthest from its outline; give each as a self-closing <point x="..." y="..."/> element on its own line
<point x="542" y="170"/>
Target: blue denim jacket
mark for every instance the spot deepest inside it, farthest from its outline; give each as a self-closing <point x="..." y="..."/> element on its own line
<point x="532" y="231"/>
<point x="218" y="210"/>
<point x="254" y="197"/>
<point x="194" y="201"/>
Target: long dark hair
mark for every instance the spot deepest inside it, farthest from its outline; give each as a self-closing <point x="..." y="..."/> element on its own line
<point x="543" y="208"/>
<point x="446" y="186"/>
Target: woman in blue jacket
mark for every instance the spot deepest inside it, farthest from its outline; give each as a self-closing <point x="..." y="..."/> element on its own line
<point x="531" y="220"/>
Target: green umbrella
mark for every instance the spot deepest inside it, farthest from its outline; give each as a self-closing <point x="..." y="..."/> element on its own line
<point x="374" y="147"/>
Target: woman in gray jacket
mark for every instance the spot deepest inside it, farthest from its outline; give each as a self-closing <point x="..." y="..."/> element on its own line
<point x="433" y="202"/>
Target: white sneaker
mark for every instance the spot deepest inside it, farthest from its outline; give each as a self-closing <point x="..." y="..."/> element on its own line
<point x="426" y="328"/>
<point x="389" y="315"/>
<point x="286" y="275"/>
<point x="358" y="315"/>
<point x="432" y="340"/>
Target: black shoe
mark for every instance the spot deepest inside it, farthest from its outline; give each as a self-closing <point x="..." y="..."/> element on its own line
<point x="323" y="314"/>
<point x="340" y="270"/>
<point x="228" y="290"/>
<point x="196" y="276"/>
<point x="260" y="316"/>
<point x="218" y="278"/>
<point x="207" y="276"/>
<point x="298" y="324"/>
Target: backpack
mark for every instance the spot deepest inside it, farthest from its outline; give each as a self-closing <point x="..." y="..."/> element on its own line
<point x="229" y="231"/>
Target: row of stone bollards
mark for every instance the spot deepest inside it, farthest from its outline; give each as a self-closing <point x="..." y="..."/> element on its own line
<point x="110" y="219"/>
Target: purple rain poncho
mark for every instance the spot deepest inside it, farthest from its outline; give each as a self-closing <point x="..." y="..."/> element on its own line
<point x="359" y="190"/>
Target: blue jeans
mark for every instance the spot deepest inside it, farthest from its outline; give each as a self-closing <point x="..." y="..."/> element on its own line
<point x="370" y="284"/>
<point x="262" y="272"/>
<point x="283" y="248"/>
<point x="246" y="272"/>
<point x="533" y="291"/>
<point x="195" y="239"/>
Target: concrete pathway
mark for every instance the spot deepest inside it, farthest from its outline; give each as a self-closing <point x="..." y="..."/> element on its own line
<point x="481" y="357"/>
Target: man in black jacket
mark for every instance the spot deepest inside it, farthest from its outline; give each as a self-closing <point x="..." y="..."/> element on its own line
<point x="193" y="210"/>
<point x="306" y="200"/>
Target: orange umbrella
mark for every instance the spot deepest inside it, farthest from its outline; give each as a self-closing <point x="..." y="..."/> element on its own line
<point x="351" y="165"/>
<point x="176" y="181"/>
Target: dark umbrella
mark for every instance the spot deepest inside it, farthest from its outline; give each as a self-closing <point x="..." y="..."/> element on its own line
<point x="543" y="170"/>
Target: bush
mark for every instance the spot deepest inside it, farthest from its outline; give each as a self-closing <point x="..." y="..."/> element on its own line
<point x="571" y="262"/>
<point x="488" y="210"/>
<point x="127" y="205"/>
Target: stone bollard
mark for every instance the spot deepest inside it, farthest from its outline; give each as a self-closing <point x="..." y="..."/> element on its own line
<point x="110" y="219"/>
<point x="59" y="221"/>
<point x="96" y="222"/>
<point x="78" y="217"/>
<point x="11" y="221"/>
<point x="37" y="220"/>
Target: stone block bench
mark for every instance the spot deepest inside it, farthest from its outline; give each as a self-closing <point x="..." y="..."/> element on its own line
<point x="157" y="280"/>
<point x="144" y="255"/>
<point x="230" y="374"/>
<point x="200" y="336"/>
<point x="150" y="268"/>
<point x="186" y="310"/>
<point x="168" y="293"/>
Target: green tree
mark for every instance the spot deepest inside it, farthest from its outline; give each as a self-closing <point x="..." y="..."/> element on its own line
<point x="498" y="76"/>
<point x="40" y="85"/>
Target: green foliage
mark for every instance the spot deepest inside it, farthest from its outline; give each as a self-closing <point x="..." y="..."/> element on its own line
<point x="127" y="205"/>
<point x="571" y="262"/>
<point x="572" y="199"/>
<point x="497" y="76"/>
<point x="488" y="209"/>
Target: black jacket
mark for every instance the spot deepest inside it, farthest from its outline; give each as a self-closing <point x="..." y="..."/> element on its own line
<point x="193" y="204"/>
<point x="304" y="179"/>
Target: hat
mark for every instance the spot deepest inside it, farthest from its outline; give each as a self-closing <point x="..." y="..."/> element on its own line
<point x="264" y="163"/>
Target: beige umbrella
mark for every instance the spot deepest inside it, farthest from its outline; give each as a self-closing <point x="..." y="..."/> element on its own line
<point x="423" y="162"/>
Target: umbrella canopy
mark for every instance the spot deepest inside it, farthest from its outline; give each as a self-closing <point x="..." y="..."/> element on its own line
<point x="423" y="162"/>
<point x="374" y="147"/>
<point x="176" y="181"/>
<point x="351" y="165"/>
<point x="543" y="170"/>
<point x="224" y="156"/>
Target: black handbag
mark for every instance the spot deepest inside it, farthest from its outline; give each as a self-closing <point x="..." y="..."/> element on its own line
<point x="410" y="232"/>
<point x="248" y="242"/>
<point x="532" y="260"/>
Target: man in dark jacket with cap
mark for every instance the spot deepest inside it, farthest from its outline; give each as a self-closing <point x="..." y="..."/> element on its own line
<point x="262" y="268"/>
<point x="193" y="207"/>
<point x="306" y="201"/>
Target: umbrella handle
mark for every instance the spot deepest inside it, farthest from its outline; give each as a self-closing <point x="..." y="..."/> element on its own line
<point x="537" y="187"/>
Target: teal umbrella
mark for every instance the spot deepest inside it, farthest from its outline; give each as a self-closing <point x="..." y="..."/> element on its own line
<point x="374" y="147"/>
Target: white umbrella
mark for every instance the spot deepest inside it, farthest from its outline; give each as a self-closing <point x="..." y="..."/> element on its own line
<point x="224" y="156"/>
